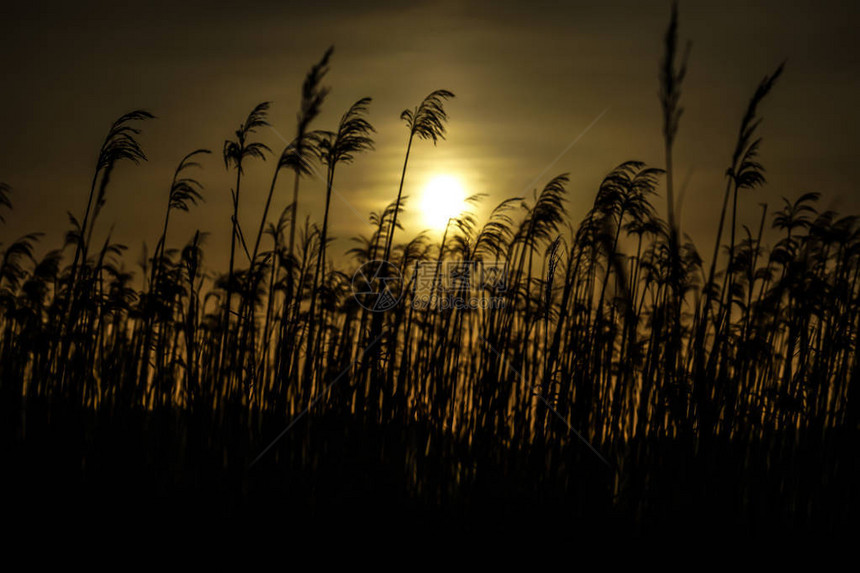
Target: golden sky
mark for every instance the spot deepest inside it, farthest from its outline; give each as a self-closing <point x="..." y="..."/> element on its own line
<point x="529" y="78"/>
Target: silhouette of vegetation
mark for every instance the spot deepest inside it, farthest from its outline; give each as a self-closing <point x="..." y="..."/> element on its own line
<point x="608" y="334"/>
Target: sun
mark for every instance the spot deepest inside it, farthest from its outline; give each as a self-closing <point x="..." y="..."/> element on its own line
<point x="443" y="198"/>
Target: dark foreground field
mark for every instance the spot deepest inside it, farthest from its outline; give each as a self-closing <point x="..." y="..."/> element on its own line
<point x="67" y="467"/>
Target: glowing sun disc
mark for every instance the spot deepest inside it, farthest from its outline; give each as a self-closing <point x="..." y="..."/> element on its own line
<point x="442" y="199"/>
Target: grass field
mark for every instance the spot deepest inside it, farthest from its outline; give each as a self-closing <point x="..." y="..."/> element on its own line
<point x="617" y="376"/>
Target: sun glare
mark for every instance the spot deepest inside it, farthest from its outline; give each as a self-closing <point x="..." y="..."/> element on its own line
<point x="443" y="198"/>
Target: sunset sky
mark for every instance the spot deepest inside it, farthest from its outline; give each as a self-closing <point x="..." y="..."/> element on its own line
<point x="529" y="77"/>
